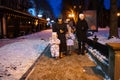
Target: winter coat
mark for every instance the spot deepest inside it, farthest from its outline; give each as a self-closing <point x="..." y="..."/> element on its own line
<point x="81" y="30"/>
<point x="54" y="46"/>
<point x="70" y="39"/>
<point x="56" y="28"/>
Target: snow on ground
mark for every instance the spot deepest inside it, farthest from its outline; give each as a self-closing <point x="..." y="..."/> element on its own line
<point x="43" y="35"/>
<point x="17" y="57"/>
<point x="103" y="34"/>
<point x="101" y="58"/>
<point x="39" y="35"/>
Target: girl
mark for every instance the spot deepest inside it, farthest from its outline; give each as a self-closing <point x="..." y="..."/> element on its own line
<point x="69" y="39"/>
<point x="54" y="42"/>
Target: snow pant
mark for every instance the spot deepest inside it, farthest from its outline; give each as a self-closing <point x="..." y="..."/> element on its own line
<point x="54" y="50"/>
<point x="63" y="45"/>
<point x="69" y="49"/>
<point x="63" y="48"/>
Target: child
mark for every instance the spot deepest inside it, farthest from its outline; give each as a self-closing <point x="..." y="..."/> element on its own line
<point x="70" y="39"/>
<point x="54" y="42"/>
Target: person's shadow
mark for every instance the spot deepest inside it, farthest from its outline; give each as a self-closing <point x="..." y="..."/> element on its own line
<point x="47" y="52"/>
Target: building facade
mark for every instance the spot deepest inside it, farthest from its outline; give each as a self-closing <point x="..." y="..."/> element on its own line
<point x="16" y="21"/>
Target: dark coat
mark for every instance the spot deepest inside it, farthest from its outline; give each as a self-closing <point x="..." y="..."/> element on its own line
<point x="81" y="30"/>
<point x="56" y="28"/>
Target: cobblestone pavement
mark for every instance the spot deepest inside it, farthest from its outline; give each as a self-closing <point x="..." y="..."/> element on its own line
<point x="74" y="67"/>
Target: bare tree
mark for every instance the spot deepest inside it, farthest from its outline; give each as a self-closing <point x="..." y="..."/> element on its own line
<point x="113" y="20"/>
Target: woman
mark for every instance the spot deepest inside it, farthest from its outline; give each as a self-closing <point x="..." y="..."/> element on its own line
<point x="61" y="29"/>
<point x="81" y="31"/>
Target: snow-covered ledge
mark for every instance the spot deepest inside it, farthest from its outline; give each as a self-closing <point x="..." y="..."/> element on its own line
<point x="99" y="53"/>
<point x="110" y="64"/>
<point x="101" y="46"/>
<point x="114" y="60"/>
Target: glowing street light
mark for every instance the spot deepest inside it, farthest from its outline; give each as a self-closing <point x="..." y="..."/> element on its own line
<point x="52" y="21"/>
<point x="71" y="15"/>
<point x="40" y="15"/>
<point x="118" y="14"/>
<point x="48" y="19"/>
<point x="36" y="22"/>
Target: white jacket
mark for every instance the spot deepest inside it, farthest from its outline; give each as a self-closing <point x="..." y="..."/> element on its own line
<point x="70" y="39"/>
<point x="54" y="46"/>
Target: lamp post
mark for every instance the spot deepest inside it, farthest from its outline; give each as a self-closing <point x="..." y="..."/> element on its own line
<point x="118" y="15"/>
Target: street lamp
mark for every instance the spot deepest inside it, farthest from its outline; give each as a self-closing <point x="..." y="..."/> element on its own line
<point x="40" y="15"/>
<point x="118" y="14"/>
<point x="36" y="22"/>
<point x="48" y="19"/>
<point x="71" y="15"/>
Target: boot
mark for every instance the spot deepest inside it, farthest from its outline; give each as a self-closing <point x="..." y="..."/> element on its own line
<point x="70" y="52"/>
<point x="61" y="55"/>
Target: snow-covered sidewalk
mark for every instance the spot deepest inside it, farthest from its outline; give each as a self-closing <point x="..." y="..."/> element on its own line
<point x="17" y="57"/>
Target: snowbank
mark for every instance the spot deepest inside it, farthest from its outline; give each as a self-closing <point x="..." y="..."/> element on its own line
<point x="103" y="34"/>
<point x="16" y="58"/>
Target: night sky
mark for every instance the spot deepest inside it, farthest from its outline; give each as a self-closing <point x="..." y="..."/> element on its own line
<point x="107" y="4"/>
<point x="56" y="5"/>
